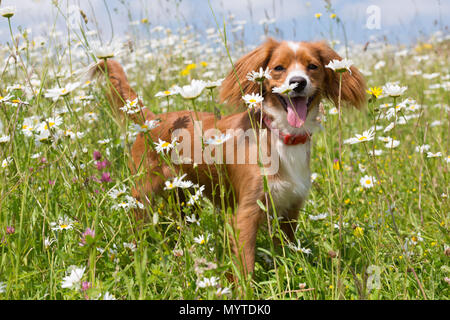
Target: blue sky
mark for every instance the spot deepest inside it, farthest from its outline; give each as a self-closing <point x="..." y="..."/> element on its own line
<point x="401" y="21"/>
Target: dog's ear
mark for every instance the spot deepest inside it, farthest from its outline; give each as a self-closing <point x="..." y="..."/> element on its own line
<point x="353" y="84"/>
<point x="236" y="84"/>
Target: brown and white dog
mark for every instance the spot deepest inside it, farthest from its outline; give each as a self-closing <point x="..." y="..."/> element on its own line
<point x="294" y="118"/>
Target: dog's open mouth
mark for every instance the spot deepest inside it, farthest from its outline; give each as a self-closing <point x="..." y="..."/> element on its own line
<point x="297" y="109"/>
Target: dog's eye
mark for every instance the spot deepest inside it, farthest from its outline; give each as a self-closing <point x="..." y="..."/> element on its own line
<point x="279" y="68"/>
<point x="312" y="66"/>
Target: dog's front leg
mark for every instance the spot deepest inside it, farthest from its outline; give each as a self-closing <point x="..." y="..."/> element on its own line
<point x="246" y="223"/>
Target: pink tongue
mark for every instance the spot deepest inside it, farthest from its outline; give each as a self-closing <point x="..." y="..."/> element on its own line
<point x="297" y="111"/>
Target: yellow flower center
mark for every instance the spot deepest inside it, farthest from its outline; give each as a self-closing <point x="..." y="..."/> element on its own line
<point x="167" y="92"/>
<point x="368" y="181"/>
<point x="362" y="138"/>
<point x="64" y="226"/>
<point x="165" y="145"/>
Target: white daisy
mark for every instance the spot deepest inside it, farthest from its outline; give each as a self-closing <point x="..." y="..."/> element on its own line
<point x="213" y="84"/>
<point x="103" y="52"/>
<point x="208" y="282"/>
<point x="49" y="123"/>
<point x="105" y="141"/>
<point x="259" y="76"/>
<point x="299" y="248"/>
<point x="333" y="110"/>
<point x="367" y="135"/>
<point x="193" y="90"/>
<point x="63" y="223"/>
<point x="7" y="98"/>
<point x="8" y="11"/>
<point x="318" y="217"/>
<point x="435" y="123"/>
<point x="117" y="192"/>
<point x="48" y="242"/>
<point x="285" y="88"/>
<point x="380" y="64"/>
<point x="131" y="107"/>
<point x="108" y="296"/>
<point x="180" y="183"/>
<point x="340" y="65"/>
<point x="146" y="126"/>
<point x="73" y="280"/>
<point x="423" y="148"/>
<point x="164" y="146"/>
<point x="5" y="138"/>
<point x="376" y="152"/>
<point x="389" y="127"/>
<point x="192" y="219"/>
<point x="385" y="139"/>
<point x="392" y="144"/>
<point x="121" y="205"/>
<point x="367" y="182"/>
<point x="393" y="90"/>
<point x="252" y="100"/>
<point x="133" y="203"/>
<point x="434" y="155"/>
<point x="218" y="140"/>
<point x="223" y="292"/>
<point x="57" y="93"/>
<point x="166" y="93"/>
<point x="201" y="239"/>
<point x="130" y="246"/>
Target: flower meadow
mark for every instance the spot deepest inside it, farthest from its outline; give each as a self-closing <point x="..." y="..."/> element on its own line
<point x="375" y="226"/>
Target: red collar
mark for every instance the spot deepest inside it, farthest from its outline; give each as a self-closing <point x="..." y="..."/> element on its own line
<point x="289" y="139"/>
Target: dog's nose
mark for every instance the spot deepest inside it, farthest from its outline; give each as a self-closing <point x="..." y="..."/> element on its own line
<point x="301" y="83"/>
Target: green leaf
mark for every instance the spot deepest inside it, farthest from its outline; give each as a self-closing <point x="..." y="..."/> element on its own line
<point x="261" y="205"/>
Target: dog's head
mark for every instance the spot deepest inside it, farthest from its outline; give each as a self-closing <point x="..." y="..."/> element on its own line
<point x="302" y="63"/>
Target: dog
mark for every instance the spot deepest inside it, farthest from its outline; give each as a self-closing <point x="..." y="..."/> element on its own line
<point x="292" y="117"/>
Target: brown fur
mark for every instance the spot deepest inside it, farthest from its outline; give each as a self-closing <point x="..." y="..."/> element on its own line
<point x="270" y="53"/>
<point x="245" y="180"/>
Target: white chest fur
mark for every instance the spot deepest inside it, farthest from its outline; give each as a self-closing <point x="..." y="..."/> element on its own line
<point x="291" y="186"/>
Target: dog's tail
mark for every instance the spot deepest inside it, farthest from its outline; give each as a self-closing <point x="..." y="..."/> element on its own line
<point x="119" y="91"/>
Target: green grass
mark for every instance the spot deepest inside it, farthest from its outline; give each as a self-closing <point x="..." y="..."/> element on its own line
<point x="407" y="205"/>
